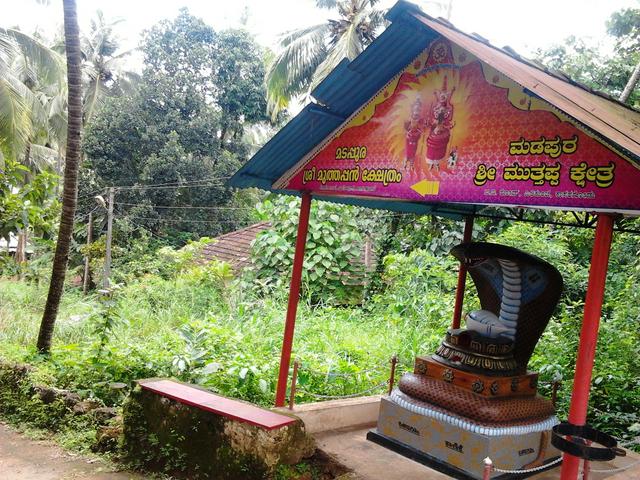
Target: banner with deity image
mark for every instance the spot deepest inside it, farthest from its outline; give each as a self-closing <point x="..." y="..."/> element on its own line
<point x="450" y="128"/>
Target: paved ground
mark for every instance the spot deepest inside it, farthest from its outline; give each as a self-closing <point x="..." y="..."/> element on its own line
<point x="25" y="459"/>
<point x="370" y="461"/>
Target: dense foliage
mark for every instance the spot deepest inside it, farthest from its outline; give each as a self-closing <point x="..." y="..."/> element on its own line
<point x="333" y="265"/>
<point x="26" y="201"/>
<point x="182" y="129"/>
<point x="196" y="323"/>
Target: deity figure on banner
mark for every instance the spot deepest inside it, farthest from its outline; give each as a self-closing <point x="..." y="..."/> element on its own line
<point x="440" y="123"/>
<point x="414" y="128"/>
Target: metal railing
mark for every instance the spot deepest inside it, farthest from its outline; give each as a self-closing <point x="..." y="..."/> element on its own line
<point x="295" y="387"/>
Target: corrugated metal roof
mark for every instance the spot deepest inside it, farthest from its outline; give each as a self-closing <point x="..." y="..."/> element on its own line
<point x="312" y="125"/>
<point x="352" y="84"/>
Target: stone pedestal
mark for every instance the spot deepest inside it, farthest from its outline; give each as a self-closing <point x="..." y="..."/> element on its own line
<point x="454" y="449"/>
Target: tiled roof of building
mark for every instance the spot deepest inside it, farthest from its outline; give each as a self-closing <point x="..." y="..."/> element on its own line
<point x="234" y="247"/>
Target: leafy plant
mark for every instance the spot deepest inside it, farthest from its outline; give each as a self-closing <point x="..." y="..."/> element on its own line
<point x="194" y="353"/>
<point x="334" y="244"/>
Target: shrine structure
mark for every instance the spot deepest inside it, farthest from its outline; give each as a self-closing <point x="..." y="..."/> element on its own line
<point x="430" y="120"/>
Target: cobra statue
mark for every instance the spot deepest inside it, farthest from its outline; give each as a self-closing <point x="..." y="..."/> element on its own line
<point x="518" y="293"/>
<point x="474" y="397"/>
<point x="479" y="373"/>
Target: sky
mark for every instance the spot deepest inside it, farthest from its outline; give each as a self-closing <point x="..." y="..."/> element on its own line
<point x="524" y="25"/>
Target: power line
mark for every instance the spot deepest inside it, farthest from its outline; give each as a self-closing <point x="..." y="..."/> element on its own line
<point x="77" y="218"/>
<point x="195" y="183"/>
<point x="161" y="237"/>
<point x="168" y="187"/>
<point x="210" y="182"/>
<point x="214" y="222"/>
<point x="175" y="182"/>
<point x="91" y="194"/>
<point x="183" y="206"/>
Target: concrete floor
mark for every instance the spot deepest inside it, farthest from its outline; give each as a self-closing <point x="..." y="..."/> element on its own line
<point x="370" y="461"/>
<point x="24" y="459"/>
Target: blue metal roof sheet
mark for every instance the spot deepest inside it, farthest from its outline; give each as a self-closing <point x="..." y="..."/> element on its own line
<point x="296" y="138"/>
<point x="339" y="95"/>
<point x="349" y="86"/>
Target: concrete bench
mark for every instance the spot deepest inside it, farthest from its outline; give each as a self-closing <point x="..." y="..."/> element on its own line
<point x="225" y="407"/>
<point x="183" y="429"/>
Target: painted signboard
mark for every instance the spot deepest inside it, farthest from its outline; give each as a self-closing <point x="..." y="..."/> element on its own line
<point x="450" y="128"/>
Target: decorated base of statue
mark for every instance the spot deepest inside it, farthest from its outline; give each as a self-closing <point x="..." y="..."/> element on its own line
<point x="457" y="447"/>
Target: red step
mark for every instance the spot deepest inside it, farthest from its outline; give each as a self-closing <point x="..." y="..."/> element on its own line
<point x="227" y="407"/>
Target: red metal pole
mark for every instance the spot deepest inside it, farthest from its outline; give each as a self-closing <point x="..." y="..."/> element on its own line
<point x="589" y="335"/>
<point x="462" y="276"/>
<point x="294" y="294"/>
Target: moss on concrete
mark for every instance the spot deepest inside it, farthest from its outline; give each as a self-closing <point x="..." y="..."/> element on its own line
<point x="164" y="435"/>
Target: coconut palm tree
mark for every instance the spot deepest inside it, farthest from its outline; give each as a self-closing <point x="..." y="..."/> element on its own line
<point x="31" y="85"/>
<point x="103" y="69"/>
<point x="32" y="90"/>
<point x="309" y="54"/>
<point x="72" y="161"/>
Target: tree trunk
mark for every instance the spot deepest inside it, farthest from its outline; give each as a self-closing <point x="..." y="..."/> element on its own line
<point x="223" y="135"/>
<point x="70" y="188"/>
<point x="631" y="84"/>
<point x="21" y="247"/>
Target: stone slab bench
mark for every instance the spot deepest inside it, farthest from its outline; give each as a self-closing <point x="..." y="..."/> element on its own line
<point x="189" y="432"/>
<point x="226" y="407"/>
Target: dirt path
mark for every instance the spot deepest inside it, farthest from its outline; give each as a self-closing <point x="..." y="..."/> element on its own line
<point x="25" y="459"/>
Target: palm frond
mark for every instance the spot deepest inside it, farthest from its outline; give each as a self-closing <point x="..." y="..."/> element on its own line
<point x="8" y="48"/>
<point x="48" y="63"/>
<point x="58" y="119"/>
<point x="127" y="83"/>
<point x="349" y="45"/>
<point x="377" y="20"/>
<point x="331" y="61"/>
<point x="38" y="109"/>
<point x="291" y="71"/>
<point x="41" y="157"/>
<point x="327" y="4"/>
<point x="291" y="36"/>
<point x="257" y="134"/>
<point x="123" y="54"/>
<point x="94" y="96"/>
<point x="15" y="123"/>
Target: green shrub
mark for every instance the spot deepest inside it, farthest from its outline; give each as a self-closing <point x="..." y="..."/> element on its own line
<point x="332" y="263"/>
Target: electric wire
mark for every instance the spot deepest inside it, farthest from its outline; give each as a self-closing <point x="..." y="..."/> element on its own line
<point x="183" y="207"/>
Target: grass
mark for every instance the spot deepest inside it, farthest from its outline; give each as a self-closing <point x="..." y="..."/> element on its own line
<point x="195" y="326"/>
<point x="148" y="339"/>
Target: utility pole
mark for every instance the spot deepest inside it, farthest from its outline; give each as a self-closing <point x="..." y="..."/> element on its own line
<point x="87" y="257"/>
<point x="107" y="257"/>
